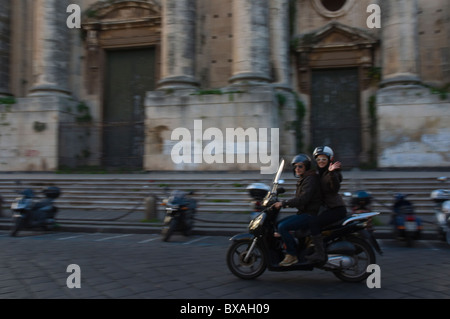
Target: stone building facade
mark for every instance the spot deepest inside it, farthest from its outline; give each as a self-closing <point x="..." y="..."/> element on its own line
<point x="223" y="84"/>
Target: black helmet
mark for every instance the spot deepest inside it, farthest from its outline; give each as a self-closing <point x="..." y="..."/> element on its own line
<point x="52" y="192"/>
<point x="301" y="158"/>
<point x="324" y="150"/>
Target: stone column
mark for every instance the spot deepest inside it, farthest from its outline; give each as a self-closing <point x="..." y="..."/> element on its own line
<point x="50" y="48"/>
<point x="399" y="42"/>
<point x="279" y="42"/>
<point x="5" y="36"/>
<point x="251" y="43"/>
<point x="178" y="44"/>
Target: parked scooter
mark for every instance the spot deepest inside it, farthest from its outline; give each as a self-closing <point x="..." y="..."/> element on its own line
<point x="180" y="212"/>
<point x="257" y="191"/>
<point x="28" y="213"/>
<point x="442" y="211"/>
<point x="406" y="224"/>
<point x="350" y="247"/>
<point x="360" y="203"/>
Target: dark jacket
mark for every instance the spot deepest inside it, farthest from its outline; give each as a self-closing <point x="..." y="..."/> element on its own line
<point x="330" y="183"/>
<point x="308" y="197"/>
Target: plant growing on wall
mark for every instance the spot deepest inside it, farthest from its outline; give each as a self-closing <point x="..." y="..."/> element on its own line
<point x="84" y="113"/>
<point x="297" y="124"/>
<point x="372" y="106"/>
<point x="39" y="126"/>
<point x="7" y="100"/>
<point x="300" y="112"/>
<point x="442" y="91"/>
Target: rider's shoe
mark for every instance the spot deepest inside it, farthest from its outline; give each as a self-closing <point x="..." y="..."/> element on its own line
<point x="288" y="260"/>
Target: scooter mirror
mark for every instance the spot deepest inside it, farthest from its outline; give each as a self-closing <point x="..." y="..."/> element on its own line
<point x="281" y="181"/>
<point x="348" y="194"/>
<point x="281" y="190"/>
<point x="442" y="179"/>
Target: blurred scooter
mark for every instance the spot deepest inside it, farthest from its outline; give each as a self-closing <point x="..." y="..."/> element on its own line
<point x="406" y="224"/>
<point x="27" y="213"/>
<point x="442" y="210"/>
<point x="180" y="212"/>
<point x="360" y="203"/>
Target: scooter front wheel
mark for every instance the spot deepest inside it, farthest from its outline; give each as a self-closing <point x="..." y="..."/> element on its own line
<point x="168" y="230"/>
<point x="17" y="224"/>
<point x="243" y="266"/>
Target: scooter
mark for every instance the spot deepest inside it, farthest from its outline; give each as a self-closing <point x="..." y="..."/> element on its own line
<point x="406" y="225"/>
<point x="442" y="211"/>
<point x="27" y="213"/>
<point x="180" y="212"/>
<point x="360" y="203"/>
<point x="350" y="247"/>
<point x="257" y="191"/>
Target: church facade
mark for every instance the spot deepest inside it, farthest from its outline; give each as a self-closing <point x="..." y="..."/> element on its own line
<point x="223" y="84"/>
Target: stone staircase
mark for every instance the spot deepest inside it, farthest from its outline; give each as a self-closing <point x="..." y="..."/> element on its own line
<point x="216" y="194"/>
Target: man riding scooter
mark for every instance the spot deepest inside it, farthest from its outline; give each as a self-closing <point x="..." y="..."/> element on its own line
<point x="307" y="200"/>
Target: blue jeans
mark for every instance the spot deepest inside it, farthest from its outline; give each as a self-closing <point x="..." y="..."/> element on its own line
<point x="287" y="224"/>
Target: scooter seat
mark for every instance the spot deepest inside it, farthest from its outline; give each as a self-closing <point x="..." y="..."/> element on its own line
<point x="334" y="225"/>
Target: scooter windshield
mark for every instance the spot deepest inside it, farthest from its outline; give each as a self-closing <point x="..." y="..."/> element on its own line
<point x="177" y="197"/>
<point x="274" y="183"/>
<point x="279" y="171"/>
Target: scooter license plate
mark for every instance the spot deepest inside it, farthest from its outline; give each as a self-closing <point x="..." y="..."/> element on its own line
<point x="167" y="219"/>
<point x="410" y="226"/>
<point x="17" y="206"/>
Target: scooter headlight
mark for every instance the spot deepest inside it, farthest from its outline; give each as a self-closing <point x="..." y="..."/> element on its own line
<point x="172" y="208"/>
<point x="446" y="207"/>
<point x="19" y="204"/>
<point x="257" y="221"/>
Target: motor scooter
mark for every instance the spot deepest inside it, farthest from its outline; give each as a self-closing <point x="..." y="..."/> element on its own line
<point x="406" y="225"/>
<point x="27" y="213"/>
<point x="442" y="211"/>
<point x="360" y="201"/>
<point x="348" y="244"/>
<point x="180" y="212"/>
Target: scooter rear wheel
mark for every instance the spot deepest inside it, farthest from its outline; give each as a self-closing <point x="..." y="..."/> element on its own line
<point x="251" y="268"/>
<point x="364" y="256"/>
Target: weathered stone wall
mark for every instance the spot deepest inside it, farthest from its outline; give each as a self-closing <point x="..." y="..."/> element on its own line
<point x="413" y="128"/>
<point x="312" y="15"/>
<point x="433" y="18"/>
<point x="248" y="108"/>
<point x="29" y="133"/>
<point x="210" y="44"/>
<point x="5" y="39"/>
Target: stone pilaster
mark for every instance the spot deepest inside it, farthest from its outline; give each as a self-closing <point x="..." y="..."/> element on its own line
<point x="279" y="42"/>
<point x="399" y="42"/>
<point x="50" y="48"/>
<point x="251" y="41"/>
<point x="5" y="37"/>
<point x="178" y="44"/>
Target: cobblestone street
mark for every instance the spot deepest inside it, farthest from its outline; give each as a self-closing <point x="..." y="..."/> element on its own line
<point x="34" y="265"/>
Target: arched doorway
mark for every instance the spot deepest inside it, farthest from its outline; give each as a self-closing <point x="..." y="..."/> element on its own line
<point x="123" y="52"/>
<point x="334" y="63"/>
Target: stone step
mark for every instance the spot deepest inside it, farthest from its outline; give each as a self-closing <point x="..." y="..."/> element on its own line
<point x="215" y="194"/>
